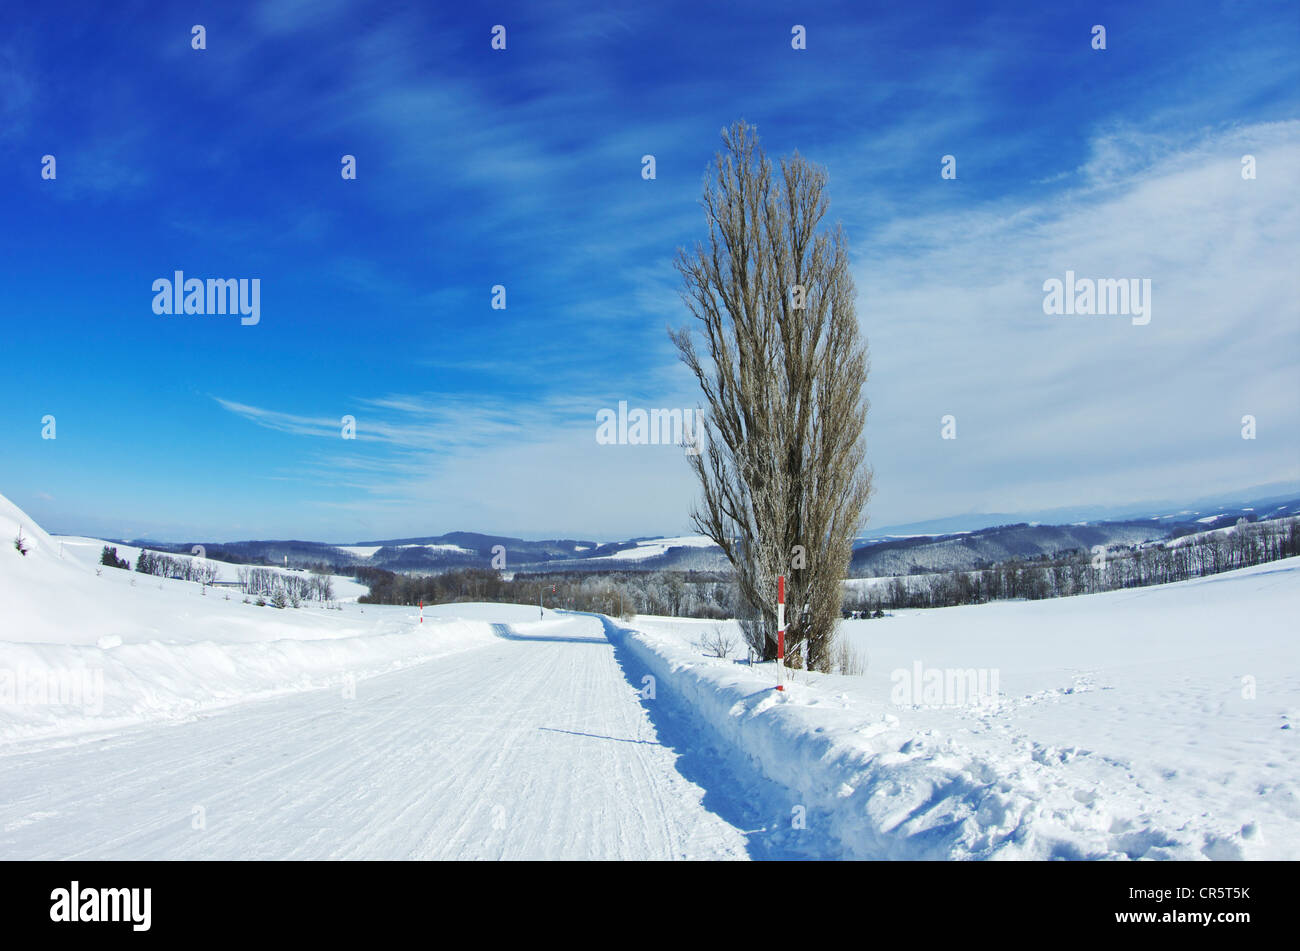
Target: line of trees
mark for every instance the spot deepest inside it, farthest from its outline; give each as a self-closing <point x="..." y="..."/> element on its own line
<point x="678" y="594"/>
<point x="180" y="569"/>
<point x="1082" y="572"/>
<point x="278" y="586"/>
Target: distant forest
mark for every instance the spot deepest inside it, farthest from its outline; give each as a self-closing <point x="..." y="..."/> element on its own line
<point x="680" y="594"/>
<point x="1083" y="572"/>
<point x="712" y="595"/>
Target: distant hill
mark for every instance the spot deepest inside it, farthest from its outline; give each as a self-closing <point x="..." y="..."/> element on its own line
<point x="884" y="552"/>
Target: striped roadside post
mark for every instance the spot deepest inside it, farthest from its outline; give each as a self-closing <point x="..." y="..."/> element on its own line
<point x="780" y="632"/>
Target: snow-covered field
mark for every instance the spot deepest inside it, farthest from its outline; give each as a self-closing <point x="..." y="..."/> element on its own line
<point x="656" y="547"/>
<point x="1155" y="722"/>
<point x="368" y="551"/>
<point x="148" y="720"/>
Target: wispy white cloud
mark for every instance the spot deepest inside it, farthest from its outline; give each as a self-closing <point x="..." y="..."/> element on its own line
<point x="1093" y="409"/>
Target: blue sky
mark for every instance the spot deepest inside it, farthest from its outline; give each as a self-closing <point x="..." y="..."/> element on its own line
<point x="522" y="168"/>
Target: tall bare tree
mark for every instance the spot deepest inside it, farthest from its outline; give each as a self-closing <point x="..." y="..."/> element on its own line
<point x="782" y="366"/>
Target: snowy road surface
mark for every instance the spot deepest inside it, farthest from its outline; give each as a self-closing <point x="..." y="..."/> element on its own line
<point x="534" y="746"/>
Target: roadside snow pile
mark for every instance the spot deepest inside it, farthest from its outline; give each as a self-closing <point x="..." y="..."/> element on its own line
<point x="56" y="689"/>
<point x="855" y="782"/>
<point x="84" y="648"/>
<point x="1145" y="723"/>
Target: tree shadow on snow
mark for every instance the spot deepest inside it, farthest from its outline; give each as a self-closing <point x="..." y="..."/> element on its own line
<point x="599" y="736"/>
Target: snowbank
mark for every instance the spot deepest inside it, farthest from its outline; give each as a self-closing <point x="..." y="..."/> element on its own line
<point x="876" y="800"/>
<point x="61" y="689"/>
<point x="85" y="647"/>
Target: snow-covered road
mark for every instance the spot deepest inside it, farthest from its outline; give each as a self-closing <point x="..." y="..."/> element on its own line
<point x="535" y="746"/>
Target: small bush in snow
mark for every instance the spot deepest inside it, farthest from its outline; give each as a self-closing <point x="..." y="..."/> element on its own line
<point x="717" y="642"/>
<point x="845" y="658"/>
<point x="19" y="543"/>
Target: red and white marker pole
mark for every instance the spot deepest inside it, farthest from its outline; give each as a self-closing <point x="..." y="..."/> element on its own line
<point x="422" y="610"/>
<point x="780" y="632"/>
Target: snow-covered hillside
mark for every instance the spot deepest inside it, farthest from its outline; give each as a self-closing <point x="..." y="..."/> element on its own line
<point x="661" y="546"/>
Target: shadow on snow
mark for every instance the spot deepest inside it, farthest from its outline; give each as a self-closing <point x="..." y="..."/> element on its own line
<point x="749" y="801"/>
